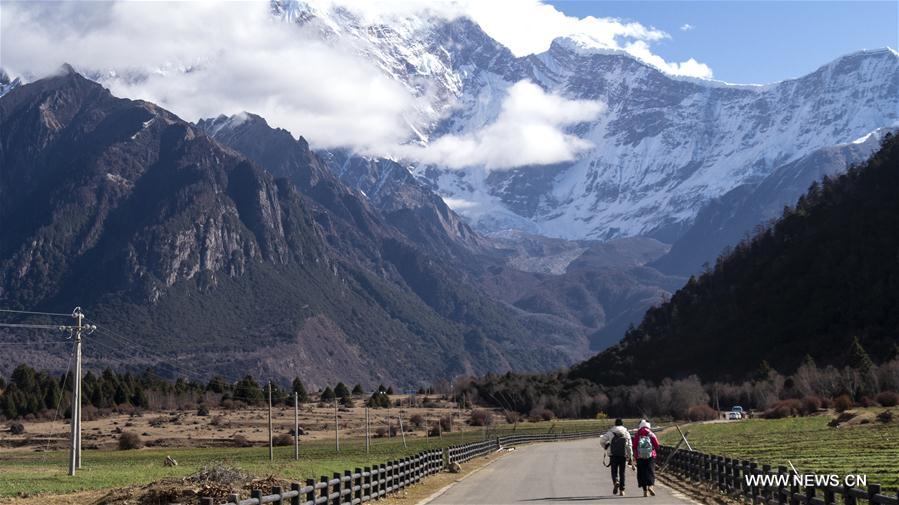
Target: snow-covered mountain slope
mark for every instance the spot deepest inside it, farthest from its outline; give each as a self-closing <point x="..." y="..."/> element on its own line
<point x="726" y="220"/>
<point x="664" y="147"/>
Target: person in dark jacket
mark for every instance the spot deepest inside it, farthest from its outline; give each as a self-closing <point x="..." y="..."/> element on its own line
<point x="617" y="443"/>
<point x="646" y="446"/>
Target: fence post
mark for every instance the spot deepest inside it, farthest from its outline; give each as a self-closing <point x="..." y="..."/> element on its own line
<point x="848" y="499"/>
<point x="357" y="485"/>
<point x="794" y="489"/>
<point x="366" y="483"/>
<point x="206" y="501"/>
<point x="382" y="479"/>
<point x="257" y="494"/>
<point x="310" y="494"/>
<point x="338" y="488"/>
<point x="829" y="496"/>
<point x="753" y="469"/>
<point x="766" y="470"/>
<point x="809" y="494"/>
<point x="276" y="490"/>
<point x="873" y="489"/>
<point x="295" y="486"/>
<point x="781" y="499"/>
<point x="324" y="492"/>
<point x="347" y="476"/>
<point x="233" y="498"/>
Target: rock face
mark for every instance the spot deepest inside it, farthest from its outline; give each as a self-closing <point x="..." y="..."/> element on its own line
<point x="724" y="221"/>
<point x="823" y="275"/>
<point x="194" y="259"/>
<point x="664" y="148"/>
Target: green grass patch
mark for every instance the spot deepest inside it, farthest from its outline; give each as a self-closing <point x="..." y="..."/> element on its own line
<point x="808" y="442"/>
<point x="33" y="473"/>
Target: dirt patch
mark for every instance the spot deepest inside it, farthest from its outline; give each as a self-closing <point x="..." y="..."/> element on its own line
<point x="187" y="429"/>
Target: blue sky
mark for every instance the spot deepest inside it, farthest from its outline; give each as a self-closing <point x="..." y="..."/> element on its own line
<point x="755" y="41"/>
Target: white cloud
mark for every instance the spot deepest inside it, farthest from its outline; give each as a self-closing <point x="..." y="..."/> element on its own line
<point x="686" y="27"/>
<point x="202" y="59"/>
<point x="527" y="131"/>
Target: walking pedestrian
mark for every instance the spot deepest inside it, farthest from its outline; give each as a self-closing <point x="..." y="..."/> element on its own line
<point x="617" y="443"/>
<point x="645" y="446"/>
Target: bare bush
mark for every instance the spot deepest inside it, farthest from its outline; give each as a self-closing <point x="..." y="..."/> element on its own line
<point x="16" y="428"/>
<point x="512" y="417"/>
<point x="784" y="408"/>
<point x="541" y="414"/>
<point x="380" y="432"/>
<point x="701" y="413"/>
<point x="888" y="398"/>
<point x="417" y="420"/>
<point x="810" y="405"/>
<point x="480" y="417"/>
<point x="240" y="441"/>
<point x="842" y="403"/>
<point x="130" y="440"/>
<point x="282" y="440"/>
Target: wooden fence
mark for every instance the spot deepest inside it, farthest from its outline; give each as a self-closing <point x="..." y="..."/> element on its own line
<point x="729" y="476"/>
<point x="370" y="483"/>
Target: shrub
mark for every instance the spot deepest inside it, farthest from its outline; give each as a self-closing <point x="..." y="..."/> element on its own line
<point x="888" y="398"/>
<point x="809" y="405"/>
<point x="202" y="410"/>
<point x="865" y="401"/>
<point x="240" y="441"/>
<point x="701" y="413"/>
<point x="512" y="417"/>
<point x="380" y="432"/>
<point x="281" y="440"/>
<point x="480" y="417"/>
<point x="446" y="423"/>
<point x="130" y="440"/>
<point x="885" y="417"/>
<point x="541" y="414"/>
<point x="784" y="408"/>
<point x="17" y="428"/>
<point x="842" y="403"/>
<point x="417" y="420"/>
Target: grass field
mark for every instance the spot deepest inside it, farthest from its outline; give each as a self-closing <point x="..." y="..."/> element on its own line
<point x="808" y="442"/>
<point x="33" y="473"/>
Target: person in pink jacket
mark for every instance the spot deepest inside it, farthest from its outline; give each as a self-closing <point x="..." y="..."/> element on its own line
<point x="646" y="446"/>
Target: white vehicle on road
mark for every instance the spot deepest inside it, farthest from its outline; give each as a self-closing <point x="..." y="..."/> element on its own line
<point x="735" y="414"/>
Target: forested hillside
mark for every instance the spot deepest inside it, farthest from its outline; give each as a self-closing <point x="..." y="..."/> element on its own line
<point x="825" y="272"/>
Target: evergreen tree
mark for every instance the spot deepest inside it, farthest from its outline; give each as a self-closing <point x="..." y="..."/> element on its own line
<point x="858" y="357"/>
<point x="357" y="390"/>
<point x="327" y="395"/>
<point x="300" y="390"/>
<point x="341" y="391"/>
<point x="248" y="390"/>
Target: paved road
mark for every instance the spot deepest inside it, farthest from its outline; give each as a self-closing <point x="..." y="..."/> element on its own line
<point x="549" y="473"/>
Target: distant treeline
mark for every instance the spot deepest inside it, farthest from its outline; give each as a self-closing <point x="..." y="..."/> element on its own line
<point x="859" y="382"/>
<point x="30" y="393"/>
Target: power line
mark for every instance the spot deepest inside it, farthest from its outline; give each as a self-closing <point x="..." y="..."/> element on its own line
<point x="48" y="342"/>
<point x="59" y="314"/>
<point x="35" y="326"/>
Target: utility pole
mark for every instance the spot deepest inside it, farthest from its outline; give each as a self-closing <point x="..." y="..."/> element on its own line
<point x="296" y="426"/>
<point x="336" y="427"/>
<point x="402" y="433"/>
<point x="77" y="332"/>
<point x="271" y="444"/>
<point x="367" y="433"/>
